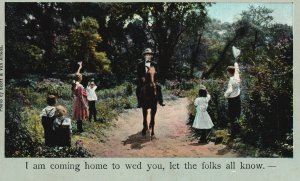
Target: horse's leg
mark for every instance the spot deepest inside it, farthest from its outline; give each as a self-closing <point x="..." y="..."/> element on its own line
<point x="152" y="122"/>
<point x="145" y="125"/>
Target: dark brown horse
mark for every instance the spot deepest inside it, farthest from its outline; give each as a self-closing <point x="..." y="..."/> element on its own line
<point x="149" y="98"/>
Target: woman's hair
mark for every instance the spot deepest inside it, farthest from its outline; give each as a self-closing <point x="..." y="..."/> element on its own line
<point x="231" y="69"/>
<point x="51" y="100"/>
<point x="73" y="87"/>
<point x="78" y="77"/>
<point x="202" y="93"/>
<point x="61" y="110"/>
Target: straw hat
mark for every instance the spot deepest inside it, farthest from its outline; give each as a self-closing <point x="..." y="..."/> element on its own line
<point x="147" y="51"/>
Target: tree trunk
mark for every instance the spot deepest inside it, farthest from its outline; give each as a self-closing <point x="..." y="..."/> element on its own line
<point x="221" y="58"/>
<point x="194" y="56"/>
<point x="164" y="60"/>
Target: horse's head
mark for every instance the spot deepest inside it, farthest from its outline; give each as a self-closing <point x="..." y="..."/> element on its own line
<point x="151" y="76"/>
<point x="150" y="79"/>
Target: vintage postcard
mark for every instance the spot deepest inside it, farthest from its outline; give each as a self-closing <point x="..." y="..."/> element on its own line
<point x="152" y="90"/>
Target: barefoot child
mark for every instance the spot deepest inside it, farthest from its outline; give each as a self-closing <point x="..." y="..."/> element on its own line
<point x="48" y="115"/>
<point x="202" y="120"/>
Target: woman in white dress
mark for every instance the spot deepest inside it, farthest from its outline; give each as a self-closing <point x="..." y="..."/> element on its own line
<point x="202" y="119"/>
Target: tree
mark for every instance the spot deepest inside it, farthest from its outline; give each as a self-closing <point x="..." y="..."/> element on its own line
<point x="165" y="23"/>
<point x="32" y="32"/>
<point x="259" y="20"/>
<point x="196" y="31"/>
<point x="248" y="33"/>
<point x="83" y="46"/>
<point x="223" y="59"/>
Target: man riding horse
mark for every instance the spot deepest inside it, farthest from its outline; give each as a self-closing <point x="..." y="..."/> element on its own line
<point x="142" y="70"/>
<point x="148" y="91"/>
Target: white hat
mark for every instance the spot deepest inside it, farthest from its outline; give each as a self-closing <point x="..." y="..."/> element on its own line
<point x="202" y="87"/>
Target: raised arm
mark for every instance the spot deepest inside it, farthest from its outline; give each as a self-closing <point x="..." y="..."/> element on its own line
<point x="79" y="68"/>
<point x="237" y="71"/>
<point x="208" y="97"/>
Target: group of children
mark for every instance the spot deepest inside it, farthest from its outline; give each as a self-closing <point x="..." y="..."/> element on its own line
<point x="57" y="127"/>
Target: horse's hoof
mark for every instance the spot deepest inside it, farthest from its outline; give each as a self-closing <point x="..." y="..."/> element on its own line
<point x="144" y="132"/>
<point x="152" y="137"/>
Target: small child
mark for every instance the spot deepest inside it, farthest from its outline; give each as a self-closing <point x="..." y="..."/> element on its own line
<point x="92" y="98"/>
<point x="62" y="127"/>
<point x="202" y="119"/>
<point x="48" y="116"/>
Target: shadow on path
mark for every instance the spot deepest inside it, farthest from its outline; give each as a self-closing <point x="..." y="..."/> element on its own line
<point x="137" y="140"/>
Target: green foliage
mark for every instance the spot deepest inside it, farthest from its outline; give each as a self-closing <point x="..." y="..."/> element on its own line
<point x="54" y="87"/>
<point x="122" y="90"/>
<point x="24" y="133"/>
<point x="179" y="88"/>
<point x="23" y="129"/>
<point x="269" y="116"/>
<point x="63" y="152"/>
<point x="266" y="121"/>
<point x="83" y="46"/>
<point x="104" y="61"/>
<point x="31" y="121"/>
<point x="222" y="133"/>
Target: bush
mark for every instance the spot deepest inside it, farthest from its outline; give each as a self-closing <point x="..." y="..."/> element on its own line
<point x="24" y="134"/>
<point x="122" y="90"/>
<point x="31" y="122"/>
<point x="267" y="107"/>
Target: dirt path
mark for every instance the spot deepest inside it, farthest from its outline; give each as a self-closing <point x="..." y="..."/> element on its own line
<point x="172" y="136"/>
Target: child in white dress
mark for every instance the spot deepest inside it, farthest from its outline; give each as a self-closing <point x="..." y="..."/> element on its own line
<point x="202" y="119"/>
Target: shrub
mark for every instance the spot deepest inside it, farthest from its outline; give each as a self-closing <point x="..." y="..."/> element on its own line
<point x="23" y="128"/>
<point x="31" y="122"/>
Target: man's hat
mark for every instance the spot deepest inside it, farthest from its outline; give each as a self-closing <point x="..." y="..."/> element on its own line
<point x="202" y="87"/>
<point x="147" y="51"/>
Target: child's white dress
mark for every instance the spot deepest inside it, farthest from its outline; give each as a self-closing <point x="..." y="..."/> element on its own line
<point x="202" y="119"/>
